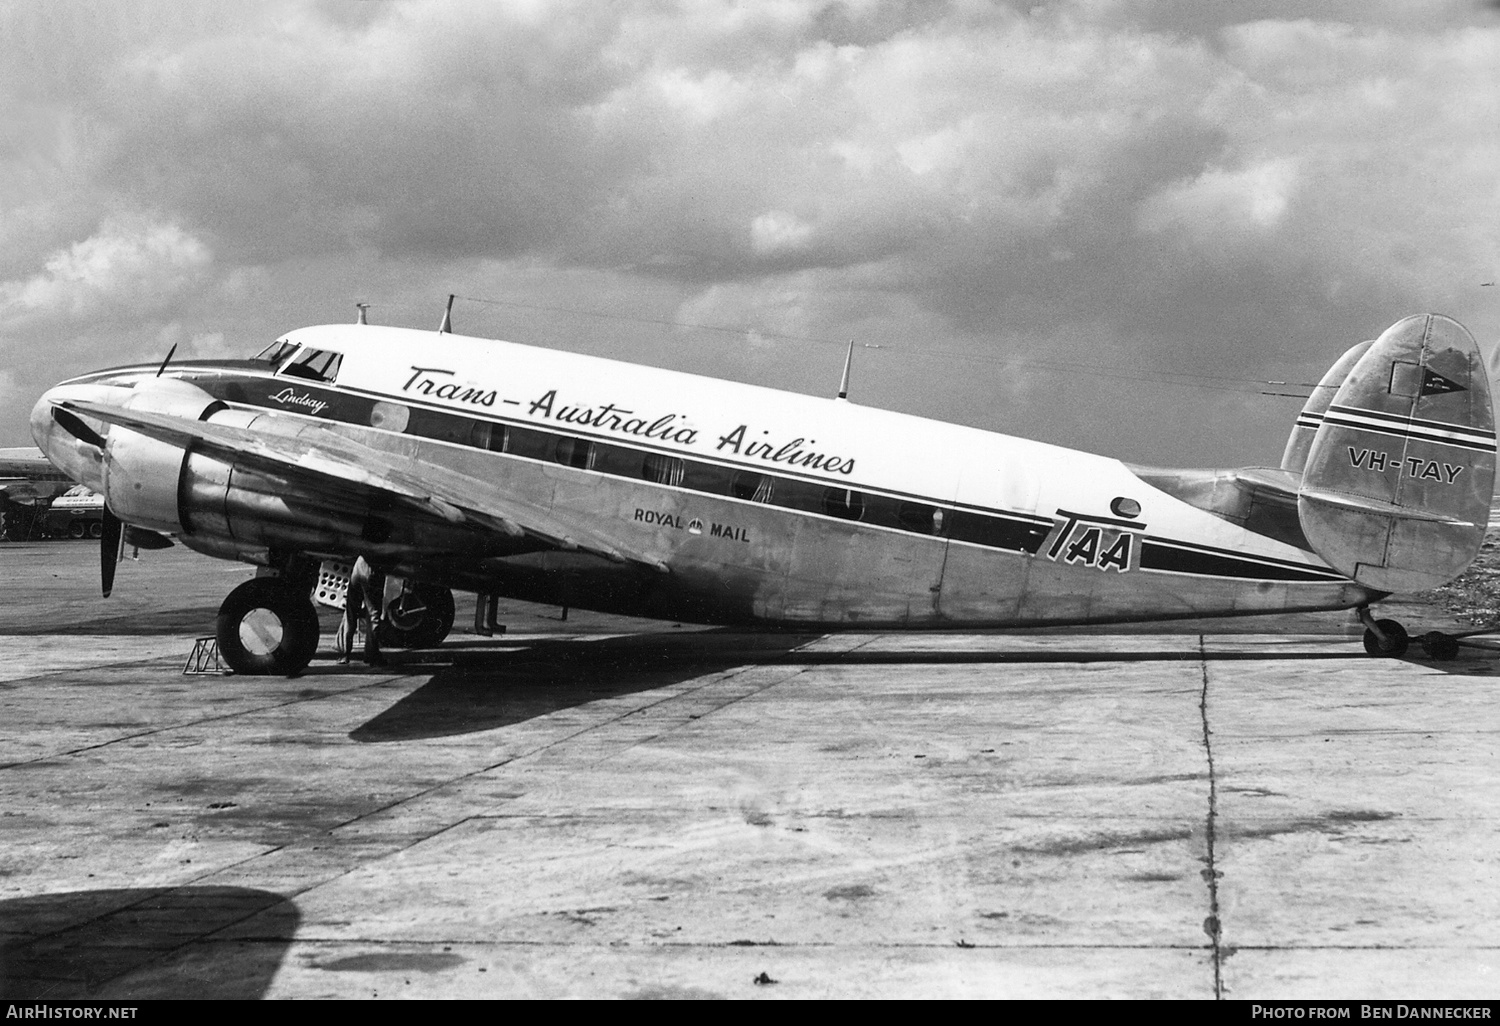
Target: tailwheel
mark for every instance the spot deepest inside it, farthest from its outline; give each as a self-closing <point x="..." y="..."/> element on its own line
<point x="267" y="627"/>
<point x="420" y="617"/>
<point x="1439" y="646"/>
<point x="1386" y="638"/>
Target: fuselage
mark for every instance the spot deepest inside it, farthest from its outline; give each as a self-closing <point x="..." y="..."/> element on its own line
<point x="762" y="505"/>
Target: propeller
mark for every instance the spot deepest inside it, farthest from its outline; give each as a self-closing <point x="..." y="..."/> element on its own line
<point x="74" y="425"/>
<point x="109" y="551"/>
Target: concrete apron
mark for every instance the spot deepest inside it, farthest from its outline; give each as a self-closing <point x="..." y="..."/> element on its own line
<point x="1082" y="815"/>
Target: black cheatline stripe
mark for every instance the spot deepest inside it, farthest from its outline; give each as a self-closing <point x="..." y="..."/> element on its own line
<point x="1423" y="436"/>
<point x="1273" y="560"/>
<point x="1014" y="532"/>
<point x="995" y="532"/>
<point x="1418" y="422"/>
<point x="1203" y="561"/>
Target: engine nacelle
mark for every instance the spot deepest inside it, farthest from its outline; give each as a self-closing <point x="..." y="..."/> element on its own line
<point x="256" y="509"/>
<point x="141" y="474"/>
<point x="232" y="508"/>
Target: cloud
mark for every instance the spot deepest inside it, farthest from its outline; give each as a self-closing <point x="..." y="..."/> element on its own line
<point x="778" y="231"/>
<point x="1170" y="183"/>
<point x="11" y="393"/>
<point x="131" y="266"/>
<point x="1218" y="205"/>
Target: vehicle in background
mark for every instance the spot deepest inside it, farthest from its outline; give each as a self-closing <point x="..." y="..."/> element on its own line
<point x="77" y="513"/>
<point x="38" y="501"/>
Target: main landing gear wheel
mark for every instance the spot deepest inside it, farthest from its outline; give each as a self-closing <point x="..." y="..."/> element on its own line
<point x="1392" y="645"/>
<point x="420" y="617"/>
<point x="1439" y="646"/>
<point x="266" y="627"/>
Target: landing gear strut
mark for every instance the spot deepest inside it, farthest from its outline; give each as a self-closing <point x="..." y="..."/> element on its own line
<point x="1389" y="638"/>
<point x="267" y="626"/>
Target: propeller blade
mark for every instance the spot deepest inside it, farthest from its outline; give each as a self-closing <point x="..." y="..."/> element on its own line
<point x="109" y="551"/>
<point x="74" y="425"/>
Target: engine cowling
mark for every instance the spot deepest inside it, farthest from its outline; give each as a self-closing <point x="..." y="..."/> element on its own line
<point x="142" y="475"/>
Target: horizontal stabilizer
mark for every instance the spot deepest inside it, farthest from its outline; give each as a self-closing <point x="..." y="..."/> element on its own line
<point x="1397" y="484"/>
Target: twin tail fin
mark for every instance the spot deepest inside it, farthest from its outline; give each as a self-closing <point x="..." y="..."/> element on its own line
<point x="1396" y="448"/>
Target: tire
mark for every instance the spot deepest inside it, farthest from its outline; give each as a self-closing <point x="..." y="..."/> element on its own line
<point x="420" y="617"/>
<point x="1439" y="647"/>
<point x="1396" y="640"/>
<point x="266" y="628"/>
<point x="77" y="529"/>
<point x="96" y="529"/>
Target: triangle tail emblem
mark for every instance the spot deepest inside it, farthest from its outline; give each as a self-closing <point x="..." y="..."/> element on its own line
<point x="1434" y="383"/>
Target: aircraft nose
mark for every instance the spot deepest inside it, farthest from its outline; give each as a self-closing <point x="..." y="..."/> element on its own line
<point x="42" y="426"/>
<point x="73" y="444"/>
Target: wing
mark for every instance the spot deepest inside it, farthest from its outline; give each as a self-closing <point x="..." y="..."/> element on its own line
<point x="320" y="456"/>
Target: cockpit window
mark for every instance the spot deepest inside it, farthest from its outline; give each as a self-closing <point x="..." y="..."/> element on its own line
<point x="275" y="352"/>
<point x="315" y="364"/>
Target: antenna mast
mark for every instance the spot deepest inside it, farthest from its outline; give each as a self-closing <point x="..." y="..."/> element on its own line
<point x="447" y="325"/>
<point x="843" y="395"/>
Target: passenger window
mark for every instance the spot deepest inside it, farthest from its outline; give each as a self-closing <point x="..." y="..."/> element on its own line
<point x="484" y="435"/>
<point x="918" y="516"/>
<point x="844" y="503"/>
<point x="749" y="485"/>
<point x="315" y="365"/>
<point x="575" y="452"/>
<point x="667" y="470"/>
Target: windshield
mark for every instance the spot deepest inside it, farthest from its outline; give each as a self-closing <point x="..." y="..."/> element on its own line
<point x="275" y="352"/>
<point x="315" y="364"/>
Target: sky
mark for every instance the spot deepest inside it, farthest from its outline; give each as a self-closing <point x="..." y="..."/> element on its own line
<point x="1105" y="224"/>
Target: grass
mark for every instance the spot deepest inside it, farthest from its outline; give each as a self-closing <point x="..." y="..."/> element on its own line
<point x="1474" y="595"/>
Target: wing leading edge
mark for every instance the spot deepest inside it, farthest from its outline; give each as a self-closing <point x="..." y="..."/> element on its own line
<point x="320" y="456"/>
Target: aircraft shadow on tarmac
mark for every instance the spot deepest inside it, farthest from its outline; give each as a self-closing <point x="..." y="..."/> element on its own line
<point x="71" y="945"/>
<point x="476" y="690"/>
<point x="480" y="686"/>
